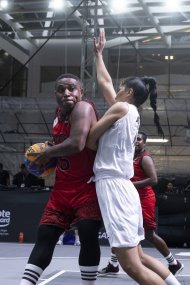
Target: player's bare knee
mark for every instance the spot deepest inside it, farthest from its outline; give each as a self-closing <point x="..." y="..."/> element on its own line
<point x="130" y="269"/>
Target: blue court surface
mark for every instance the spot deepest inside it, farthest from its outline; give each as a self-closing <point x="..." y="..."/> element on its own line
<point x="64" y="266"/>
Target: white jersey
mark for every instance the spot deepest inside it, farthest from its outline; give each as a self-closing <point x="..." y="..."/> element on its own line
<point x="116" y="147"/>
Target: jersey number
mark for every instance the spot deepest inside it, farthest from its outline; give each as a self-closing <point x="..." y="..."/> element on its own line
<point x="64" y="164"/>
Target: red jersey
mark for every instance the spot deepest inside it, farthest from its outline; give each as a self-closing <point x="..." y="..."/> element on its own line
<point x="139" y="174"/>
<point x="72" y="199"/>
<point x="146" y="194"/>
<point x="72" y="169"/>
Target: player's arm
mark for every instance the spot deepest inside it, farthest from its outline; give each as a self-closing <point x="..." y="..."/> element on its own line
<point x="150" y="171"/>
<point x="114" y="113"/>
<point x="81" y="121"/>
<point x="104" y="80"/>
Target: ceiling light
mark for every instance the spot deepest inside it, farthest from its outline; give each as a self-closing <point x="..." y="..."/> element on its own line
<point x="174" y="7"/>
<point x="118" y="6"/>
<point x="167" y="57"/>
<point x="157" y="38"/>
<point x="187" y="30"/>
<point x="146" y="41"/>
<point x="157" y="140"/>
<point x="4" y="4"/>
<point x="56" y="4"/>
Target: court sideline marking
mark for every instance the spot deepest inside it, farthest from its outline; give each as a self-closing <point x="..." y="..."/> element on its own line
<point x="52" y="277"/>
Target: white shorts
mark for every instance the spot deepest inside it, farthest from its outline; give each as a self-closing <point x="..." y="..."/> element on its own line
<point x="121" y="211"/>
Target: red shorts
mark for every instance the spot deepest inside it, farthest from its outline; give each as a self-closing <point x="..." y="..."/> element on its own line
<point x="148" y="212"/>
<point x="66" y="207"/>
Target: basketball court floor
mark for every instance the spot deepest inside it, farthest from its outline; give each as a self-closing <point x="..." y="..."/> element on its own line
<point x="64" y="266"/>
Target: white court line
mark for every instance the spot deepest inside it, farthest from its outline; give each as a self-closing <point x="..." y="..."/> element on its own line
<point x="24" y="257"/>
<point x="183" y="253"/>
<point x="52" y="277"/>
<point x="74" y="271"/>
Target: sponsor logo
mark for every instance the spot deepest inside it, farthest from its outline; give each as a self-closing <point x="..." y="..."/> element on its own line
<point x="55" y="122"/>
<point x="103" y="235"/>
<point x="5" y="217"/>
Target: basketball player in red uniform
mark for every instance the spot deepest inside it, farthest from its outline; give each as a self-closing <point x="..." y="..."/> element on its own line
<point x="144" y="177"/>
<point x="72" y="201"/>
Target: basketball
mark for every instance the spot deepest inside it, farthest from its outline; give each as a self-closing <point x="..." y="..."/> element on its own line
<point x="35" y="169"/>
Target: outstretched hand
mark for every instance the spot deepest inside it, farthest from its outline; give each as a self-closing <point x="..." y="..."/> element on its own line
<point x="99" y="43"/>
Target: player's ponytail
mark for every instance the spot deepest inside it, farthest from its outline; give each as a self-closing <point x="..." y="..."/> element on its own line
<point x="142" y="88"/>
<point x="152" y="90"/>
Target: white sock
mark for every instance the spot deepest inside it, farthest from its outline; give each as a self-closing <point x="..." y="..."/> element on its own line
<point x="170" y="259"/>
<point x="171" y="280"/>
<point x="88" y="274"/>
<point x="61" y="236"/>
<point x="77" y="238"/>
<point x="114" y="260"/>
<point x="31" y="274"/>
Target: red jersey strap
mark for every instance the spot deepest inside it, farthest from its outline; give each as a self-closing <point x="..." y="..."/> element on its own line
<point x="141" y="155"/>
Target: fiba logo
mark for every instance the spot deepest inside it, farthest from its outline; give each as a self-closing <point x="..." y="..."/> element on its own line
<point x="5" y="217"/>
<point x="103" y="235"/>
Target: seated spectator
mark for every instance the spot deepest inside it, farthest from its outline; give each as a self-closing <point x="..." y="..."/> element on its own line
<point x="170" y="189"/>
<point x="26" y="179"/>
<point x="4" y="176"/>
<point x="187" y="187"/>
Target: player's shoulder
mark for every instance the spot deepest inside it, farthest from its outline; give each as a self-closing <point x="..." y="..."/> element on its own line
<point x="83" y="109"/>
<point x="146" y="156"/>
<point x="120" y="107"/>
<point x="84" y="106"/>
<point x="146" y="153"/>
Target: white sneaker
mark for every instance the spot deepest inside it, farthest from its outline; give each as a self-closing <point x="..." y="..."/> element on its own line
<point x="77" y="242"/>
<point x="59" y="242"/>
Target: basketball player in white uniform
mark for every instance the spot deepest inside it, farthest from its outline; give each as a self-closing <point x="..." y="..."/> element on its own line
<point x="118" y="199"/>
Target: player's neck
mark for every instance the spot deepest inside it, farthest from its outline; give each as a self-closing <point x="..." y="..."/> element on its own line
<point x="137" y="153"/>
<point x="64" y="115"/>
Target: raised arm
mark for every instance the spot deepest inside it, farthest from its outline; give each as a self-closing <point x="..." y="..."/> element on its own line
<point x="104" y="80"/>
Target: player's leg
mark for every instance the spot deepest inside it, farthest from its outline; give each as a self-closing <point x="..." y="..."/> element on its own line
<point x="157" y="241"/>
<point x="112" y="267"/>
<point x="89" y="256"/>
<point x="150" y="225"/>
<point x="41" y="254"/>
<point x="130" y="261"/>
<point x="174" y="265"/>
<point x="77" y="240"/>
<point x="149" y="222"/>
<point x="159" y="268"/>
<point x="88" y="222"/>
